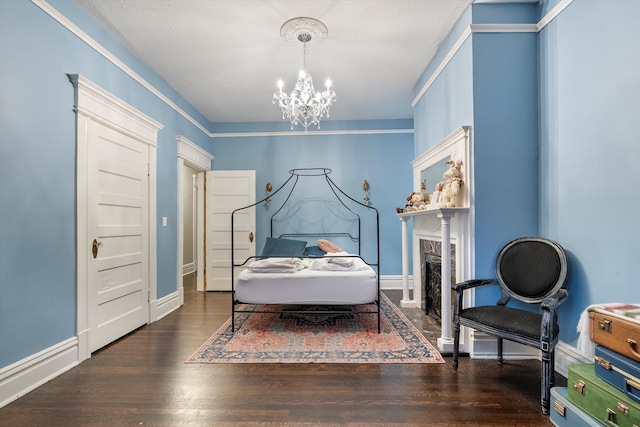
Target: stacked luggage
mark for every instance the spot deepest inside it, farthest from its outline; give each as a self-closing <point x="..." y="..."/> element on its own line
<point x="606" y="392"/>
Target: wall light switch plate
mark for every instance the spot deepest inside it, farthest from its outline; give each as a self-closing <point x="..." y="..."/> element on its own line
<point x="164" y="221"/>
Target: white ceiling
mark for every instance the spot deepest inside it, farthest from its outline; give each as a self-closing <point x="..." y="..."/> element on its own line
<point x="226" y="56"/>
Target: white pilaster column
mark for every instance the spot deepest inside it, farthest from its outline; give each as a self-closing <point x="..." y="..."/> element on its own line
<point x="445" y="342"/>
<point x="405" y="260"/>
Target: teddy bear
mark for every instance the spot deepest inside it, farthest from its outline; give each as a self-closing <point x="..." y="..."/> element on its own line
<point x="450" y="188"/>
<point x="409" y="206"/>
<point x="415" y="202"/>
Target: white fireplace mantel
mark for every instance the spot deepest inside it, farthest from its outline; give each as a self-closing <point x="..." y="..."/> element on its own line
<point x="435" y="224"/>
<point x="446" y="225"/>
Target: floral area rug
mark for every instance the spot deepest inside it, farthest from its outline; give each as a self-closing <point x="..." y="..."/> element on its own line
<point x="310" y="337"/>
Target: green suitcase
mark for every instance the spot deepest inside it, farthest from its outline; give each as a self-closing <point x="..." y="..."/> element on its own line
<point x="600" y="399"/>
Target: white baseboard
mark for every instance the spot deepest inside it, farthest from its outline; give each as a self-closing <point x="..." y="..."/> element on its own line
<point x="189" y="268"/>
<point x="567" y="355"/>
<point x="168" y="304"/>
<point x="83" y="346"/>
<point x="484" y="347"/>
<point x="27" y="374"/>
<point x="389" y="282"/>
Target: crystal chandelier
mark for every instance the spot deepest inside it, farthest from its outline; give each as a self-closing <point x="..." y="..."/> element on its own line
<point x="304" y="106"/>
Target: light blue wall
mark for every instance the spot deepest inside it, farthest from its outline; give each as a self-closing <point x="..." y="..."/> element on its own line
<point x="505" y="144"/>
<point x="382" y="159"/>
<point x="590" y="149"/>
<point x="448" y="103"/>
<point x="491" y="84"/>
<point x="37" y="168"/>
<point x="555" y="150"/>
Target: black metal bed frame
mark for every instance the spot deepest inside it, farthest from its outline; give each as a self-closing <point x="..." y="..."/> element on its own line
<point x="343" y="198"/>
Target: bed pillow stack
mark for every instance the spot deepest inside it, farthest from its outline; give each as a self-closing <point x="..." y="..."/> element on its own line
<point x="275" y="247"/>
<point x="314" y="251"/>
<point x="278" y="247"/>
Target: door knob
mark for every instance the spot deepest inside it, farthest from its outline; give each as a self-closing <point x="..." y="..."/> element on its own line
<point x="94" y="247"/>
<point x="251" y="237"/>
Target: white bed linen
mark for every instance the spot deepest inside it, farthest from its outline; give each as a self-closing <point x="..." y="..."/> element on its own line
<point x="278" y="265"/>
<point x="307" y="287"/>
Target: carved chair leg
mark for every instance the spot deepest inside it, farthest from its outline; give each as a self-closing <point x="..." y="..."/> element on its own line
<point x="552" y="367"/>
<point x="547" y="379"/>
<point x="457" y="308"/>
<point x="456" y="343"/>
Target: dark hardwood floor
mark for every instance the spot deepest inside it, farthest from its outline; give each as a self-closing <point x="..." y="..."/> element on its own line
<point x="142" y="380"/>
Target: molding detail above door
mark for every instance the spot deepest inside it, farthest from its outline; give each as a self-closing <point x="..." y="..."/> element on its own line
<point x="95" y="102"/>
<point x="193" y="155"/>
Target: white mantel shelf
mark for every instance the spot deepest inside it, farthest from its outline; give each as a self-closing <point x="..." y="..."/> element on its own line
<point x="431" y="211"/>
<point x="445" y="342"/>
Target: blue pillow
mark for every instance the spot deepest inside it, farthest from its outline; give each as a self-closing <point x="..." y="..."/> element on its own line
<point x="283" y="247"/>
<point x="313" y="251"/>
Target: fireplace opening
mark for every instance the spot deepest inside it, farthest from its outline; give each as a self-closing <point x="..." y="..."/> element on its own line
<point x="431" y="268"/>
<point x="432" y="287"/>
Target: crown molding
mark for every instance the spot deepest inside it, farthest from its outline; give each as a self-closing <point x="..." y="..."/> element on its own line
<point x="454" y="49"/>
<point x="553" y="13"/>
<point x="51" y="11"/>
<point x="313" y="133"/>
<point x="504" y="28"/>
<point x="489" y="28"/>
<point x="47" y="8"/>
<point x="478" y="28"/>
<point x="473" y="28"/>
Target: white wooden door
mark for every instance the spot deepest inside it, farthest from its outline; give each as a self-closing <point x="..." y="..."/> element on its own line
<point x="225" y="192"/>
<point x="118" y="223"/>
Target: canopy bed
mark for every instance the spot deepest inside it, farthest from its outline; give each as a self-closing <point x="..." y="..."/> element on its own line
<point x="313" y="257"/>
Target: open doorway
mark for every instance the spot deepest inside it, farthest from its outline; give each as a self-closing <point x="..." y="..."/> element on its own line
<point x="191" y="160"/>
<point x="189" y="221"/>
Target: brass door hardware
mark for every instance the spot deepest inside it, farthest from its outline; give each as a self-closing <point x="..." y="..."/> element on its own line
<point x="94" y="248"/>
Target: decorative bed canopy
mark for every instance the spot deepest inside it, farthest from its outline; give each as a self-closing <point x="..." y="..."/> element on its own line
<point x="313" y="253"/>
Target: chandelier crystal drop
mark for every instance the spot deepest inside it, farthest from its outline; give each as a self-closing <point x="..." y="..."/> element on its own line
<point x="304" y="106"/>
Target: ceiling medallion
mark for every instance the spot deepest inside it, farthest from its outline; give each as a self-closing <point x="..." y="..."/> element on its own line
<point x="304" y="106"/>
<point x="291" y="29"/>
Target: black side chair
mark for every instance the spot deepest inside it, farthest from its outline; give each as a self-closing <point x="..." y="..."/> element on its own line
<point x="530" y="269"/>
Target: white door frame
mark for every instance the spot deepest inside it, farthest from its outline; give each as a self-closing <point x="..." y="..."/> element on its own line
<point x="93" y="103"/>
<point x="191" y="155"/>
<point x="224" y="189"/>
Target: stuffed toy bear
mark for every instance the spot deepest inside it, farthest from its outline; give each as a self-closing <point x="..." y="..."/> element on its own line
<point x="417" y="201"/>
<point x="450" y="189"/>
<point x="409" y="206"/>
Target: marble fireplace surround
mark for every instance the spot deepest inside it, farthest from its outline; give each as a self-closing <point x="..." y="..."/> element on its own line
<point x="431" y="277"/>
<point x="449" y="226"/>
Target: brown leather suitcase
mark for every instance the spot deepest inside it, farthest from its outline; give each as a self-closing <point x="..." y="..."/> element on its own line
<point x="617" y="330"/>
